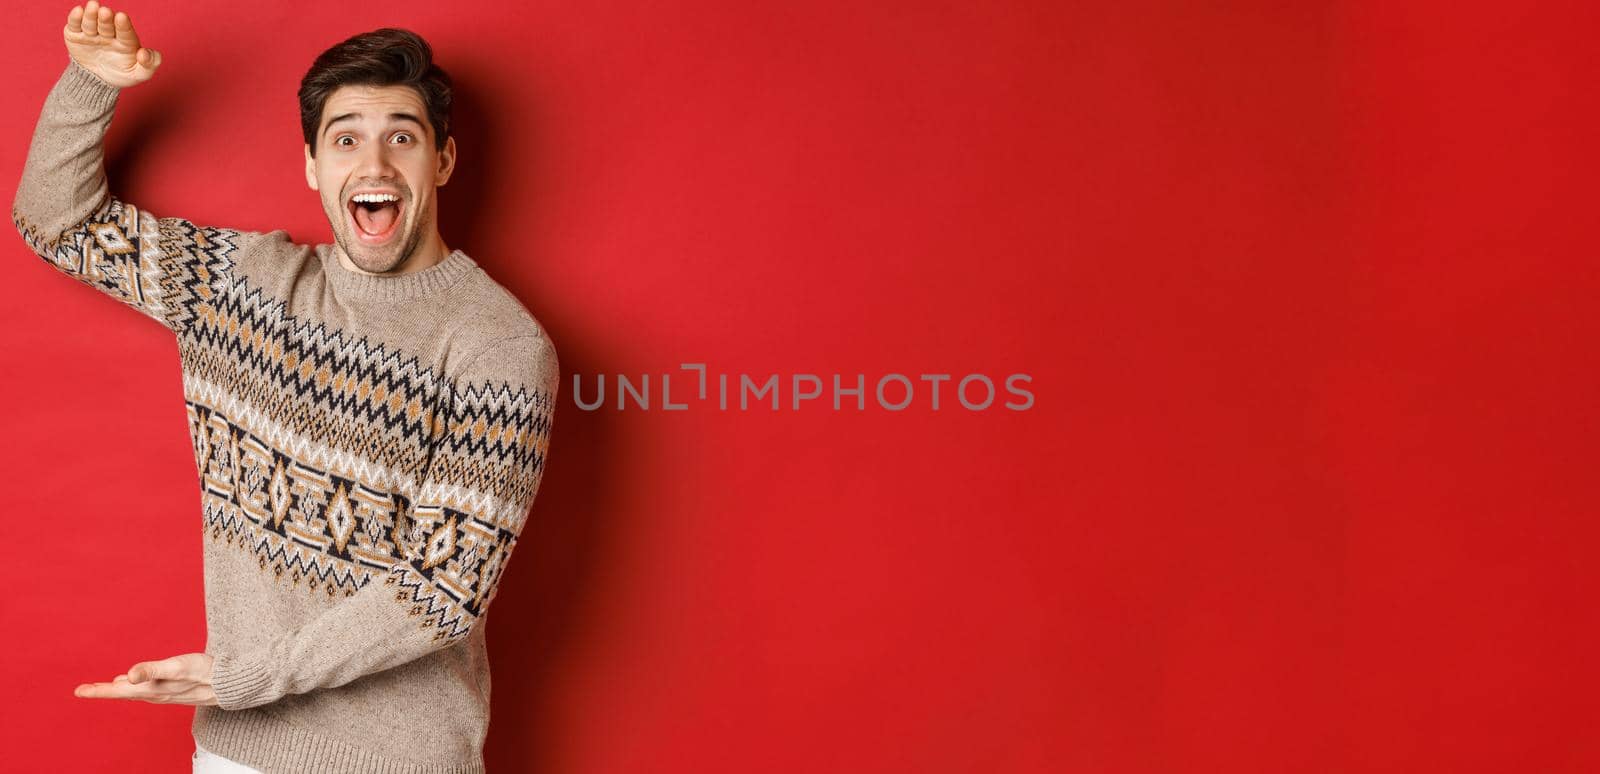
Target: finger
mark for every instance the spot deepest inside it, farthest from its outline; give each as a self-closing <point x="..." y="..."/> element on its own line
<point x="108" y="28"/>
<point x="91" y="18"/>
<point x="113" y="690"/>
<point x="123" y="27"/>
<point x="75" y="19"/>
<point x="155" y="692"/>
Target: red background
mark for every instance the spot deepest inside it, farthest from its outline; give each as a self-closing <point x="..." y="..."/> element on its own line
<point x="1306" y="295"/>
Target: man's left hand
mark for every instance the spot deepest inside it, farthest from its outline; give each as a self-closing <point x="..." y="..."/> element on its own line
<point x="184" y="679"/>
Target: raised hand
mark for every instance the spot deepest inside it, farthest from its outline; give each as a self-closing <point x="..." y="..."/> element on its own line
<point x="105" y="44"/>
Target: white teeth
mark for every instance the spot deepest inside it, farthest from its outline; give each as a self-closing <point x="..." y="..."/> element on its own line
<point x="372" y="197"/>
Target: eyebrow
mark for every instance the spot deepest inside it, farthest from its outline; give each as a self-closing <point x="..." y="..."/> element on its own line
<point x="392" y="116"/>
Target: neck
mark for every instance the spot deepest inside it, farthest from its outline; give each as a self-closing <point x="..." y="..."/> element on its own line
<point x="427" y="255"/>
<point x="359" y="286"/>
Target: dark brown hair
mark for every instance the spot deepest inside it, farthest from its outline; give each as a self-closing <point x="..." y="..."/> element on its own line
<point x="384" y="57"/>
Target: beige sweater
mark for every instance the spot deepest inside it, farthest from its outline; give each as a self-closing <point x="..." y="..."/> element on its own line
<point x="367" y="447"/>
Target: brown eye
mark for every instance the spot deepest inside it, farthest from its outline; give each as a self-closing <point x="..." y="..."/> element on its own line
<point x="407" y="136"/>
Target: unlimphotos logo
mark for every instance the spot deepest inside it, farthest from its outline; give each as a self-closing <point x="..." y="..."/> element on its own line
<point x="891" y="392"/>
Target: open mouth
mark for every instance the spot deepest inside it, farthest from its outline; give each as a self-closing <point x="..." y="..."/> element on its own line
<point x="374" y="216"/>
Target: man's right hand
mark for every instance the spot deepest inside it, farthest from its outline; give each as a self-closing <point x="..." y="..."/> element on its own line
<point x="105" y="44"/>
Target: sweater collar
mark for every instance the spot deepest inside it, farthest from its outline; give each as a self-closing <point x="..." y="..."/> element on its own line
<point x="395" y="287"/>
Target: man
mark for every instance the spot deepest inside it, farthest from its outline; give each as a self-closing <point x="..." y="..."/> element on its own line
<point x="370" y="418"/>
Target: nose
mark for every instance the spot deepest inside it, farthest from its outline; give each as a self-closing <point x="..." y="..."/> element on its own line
<point x="373" y="161"/>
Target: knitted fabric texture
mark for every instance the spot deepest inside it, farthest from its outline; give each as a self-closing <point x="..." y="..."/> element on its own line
<point x="368" y="447"/>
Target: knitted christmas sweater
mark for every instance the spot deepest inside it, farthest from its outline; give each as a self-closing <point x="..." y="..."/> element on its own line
<point x="367" y="446"/>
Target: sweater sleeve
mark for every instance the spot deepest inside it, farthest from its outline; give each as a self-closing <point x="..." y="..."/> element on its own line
<point x="166" y="268"/>
<point x="481" y="477"/>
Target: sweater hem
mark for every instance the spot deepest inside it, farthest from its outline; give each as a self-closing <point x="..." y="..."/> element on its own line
<point x="259" y="739"/>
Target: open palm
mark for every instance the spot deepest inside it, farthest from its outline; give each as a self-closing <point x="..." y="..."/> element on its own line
<point x="105" y="44"/>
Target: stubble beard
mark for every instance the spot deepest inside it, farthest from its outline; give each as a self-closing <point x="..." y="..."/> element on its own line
<point x="377" y="259"/>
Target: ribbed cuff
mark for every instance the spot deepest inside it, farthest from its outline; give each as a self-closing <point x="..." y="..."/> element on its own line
<point x="86" y="88"/>
<point x="238" y="682"/>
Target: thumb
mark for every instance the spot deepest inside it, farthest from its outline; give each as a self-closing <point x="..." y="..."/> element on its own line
<point x="149" y="57"/>
<point x="151" y="670"/>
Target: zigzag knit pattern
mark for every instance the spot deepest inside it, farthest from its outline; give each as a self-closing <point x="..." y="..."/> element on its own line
<point x="164" y="267"/>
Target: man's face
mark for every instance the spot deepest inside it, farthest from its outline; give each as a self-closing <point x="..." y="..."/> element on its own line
<point x="375" y="143"/>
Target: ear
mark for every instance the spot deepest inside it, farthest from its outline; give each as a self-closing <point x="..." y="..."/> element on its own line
<point x="311" y="169"/>
<point x="447" y="161"/>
